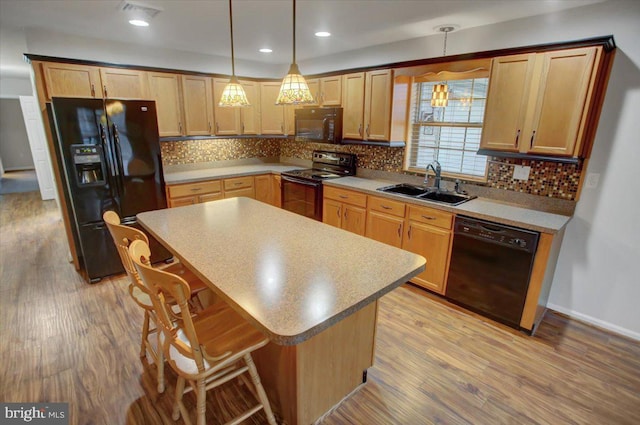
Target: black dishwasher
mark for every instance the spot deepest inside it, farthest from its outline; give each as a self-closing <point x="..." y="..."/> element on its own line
<point x="490" y="268"/>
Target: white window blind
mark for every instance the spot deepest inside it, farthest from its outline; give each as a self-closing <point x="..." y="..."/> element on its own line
<point x="448" y="134"/>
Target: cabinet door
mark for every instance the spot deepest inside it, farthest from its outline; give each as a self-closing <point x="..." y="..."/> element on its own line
<point x="210" y="197"/>
<point x="314" y="88"/>
<point x="276" y="191"/>
<point x="354" y="219"/>
<point x="353" y="104"/>
<point x="385" y="228"/>
<point x="165" y="90"/>
<point x="331" y="91"/>
<point x="561" y="101"/>
<point x="332" y="212"/>
<point x="198" y="105"/>
<point x="506" y="106"/>
<point x="272" y="115"/>
<point x="227" y="120"/>
<point x="433" y="244"/>
<point x="181" y="202"/>
<point x="249" y="116"/>
<point x="290" y="119"/>
<point x="377" y="105"/>
<point x="118" y="83"/>
<point x="66" y="80"/>
<point x="264" y="188"/>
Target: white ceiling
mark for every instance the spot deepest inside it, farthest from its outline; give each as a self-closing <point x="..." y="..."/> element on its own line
<point x="202" y="26"/>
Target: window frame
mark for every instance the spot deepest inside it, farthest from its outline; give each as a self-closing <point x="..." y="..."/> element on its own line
<point x="436" y="77"/>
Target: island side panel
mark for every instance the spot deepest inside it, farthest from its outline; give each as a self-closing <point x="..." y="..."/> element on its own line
<point x="305" y="381"/>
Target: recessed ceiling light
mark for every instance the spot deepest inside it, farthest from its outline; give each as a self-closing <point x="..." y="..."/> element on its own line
<point x="265" y="50"/>
<point x="139" y="23"/>
<point x="323" y="34"/>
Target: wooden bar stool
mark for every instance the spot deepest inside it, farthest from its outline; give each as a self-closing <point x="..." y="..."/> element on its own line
<point x="206" y="350"/>
<point x="122" y="237"/>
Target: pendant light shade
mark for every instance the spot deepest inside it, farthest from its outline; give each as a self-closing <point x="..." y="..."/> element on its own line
<point x="440" y="94"/>
<point x="294" y="89"/>
<point x="233" y="93"/>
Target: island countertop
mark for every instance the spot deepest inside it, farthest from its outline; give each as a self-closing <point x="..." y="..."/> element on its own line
<point x="290" y="276"/>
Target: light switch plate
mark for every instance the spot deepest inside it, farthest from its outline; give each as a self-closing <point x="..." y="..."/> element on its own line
<point x="592" y="180"/>
<point x="521" y="172"/>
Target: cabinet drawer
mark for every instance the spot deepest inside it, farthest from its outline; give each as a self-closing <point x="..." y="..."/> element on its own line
<point x="238" y="183"/>
<point x="346" y="196"/>
<point x="181" y="202"/>
<point x="245" y="191"/>
<point x="431" y="216"/>
<point x="210" y="197"/>
<point x="191" y="189"/>
<point x="386" y="206"/>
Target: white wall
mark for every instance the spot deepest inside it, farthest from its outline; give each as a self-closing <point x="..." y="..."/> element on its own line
<point x="47" y="43"/>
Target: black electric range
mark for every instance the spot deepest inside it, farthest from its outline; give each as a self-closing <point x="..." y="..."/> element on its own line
<point x="302" y="189"/>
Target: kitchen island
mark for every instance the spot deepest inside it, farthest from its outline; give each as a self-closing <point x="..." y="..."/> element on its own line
<point x="311" y="288"/>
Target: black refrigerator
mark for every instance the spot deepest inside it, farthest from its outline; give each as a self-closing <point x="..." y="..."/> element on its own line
<point x="110" y="153"/>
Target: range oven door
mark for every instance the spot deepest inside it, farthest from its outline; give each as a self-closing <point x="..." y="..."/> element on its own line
<point x="302" y="197"/>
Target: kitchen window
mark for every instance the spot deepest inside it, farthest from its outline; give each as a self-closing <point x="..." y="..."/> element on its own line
<point x="449" y="134"/>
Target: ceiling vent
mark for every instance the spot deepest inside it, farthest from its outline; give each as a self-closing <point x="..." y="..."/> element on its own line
<point x="136" y="8"/>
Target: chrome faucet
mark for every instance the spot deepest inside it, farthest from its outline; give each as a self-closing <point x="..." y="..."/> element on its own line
<point x="437" y="170"/>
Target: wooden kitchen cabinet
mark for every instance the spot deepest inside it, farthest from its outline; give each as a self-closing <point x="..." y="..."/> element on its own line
<point x="272" y="115"/>
<point x="375" y="106"/>
<point x="120" y="83"/>
<point x="227" y="120"/>
<point x="165" y="90"/>
<point x="428" y="233"/>
<point x="276" y="182"/>
<point x="250" y="115"/>
<point x="239" y="186"/>
<point x="198" y="105"/>
<point x="326" y="91"/>
<point x="69" y="80"/>
<point x="264" y="188"/>
<point x="353" y="105"/>
<point x="193" y="193"/>
<point x="385" y="220"/>
<point x="345" y="209"/>
<point x="538" y="103"/>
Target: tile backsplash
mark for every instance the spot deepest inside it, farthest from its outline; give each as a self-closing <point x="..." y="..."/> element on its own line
<point x="549" y="179"/>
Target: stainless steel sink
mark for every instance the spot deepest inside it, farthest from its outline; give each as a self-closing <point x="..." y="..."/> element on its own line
<point x="427" y="193"/>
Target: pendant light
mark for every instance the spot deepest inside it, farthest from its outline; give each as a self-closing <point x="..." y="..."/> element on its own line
<point x="440" y="94"/>
<point x="233" y="93"/>
<point x="294" y="89"/>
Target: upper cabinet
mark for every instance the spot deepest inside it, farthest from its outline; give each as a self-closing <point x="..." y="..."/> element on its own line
<point x="538" y="104"/>
<point x="250" y="115"/>
<point x="375" y="106"/>
<point x="68" y="80"/>
<point x="272" y="115"/>
<point x="198" y="105"/>
<point x="326" y="91"/>
<point x="119" y="83"/>
<point x="165" y="90"/>
<point x="227" y="120"/>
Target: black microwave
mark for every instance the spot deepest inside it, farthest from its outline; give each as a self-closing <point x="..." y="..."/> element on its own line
<point x="319" y="125"/>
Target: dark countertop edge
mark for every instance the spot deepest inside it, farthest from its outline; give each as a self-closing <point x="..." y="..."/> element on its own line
<point x="288" y="340"/>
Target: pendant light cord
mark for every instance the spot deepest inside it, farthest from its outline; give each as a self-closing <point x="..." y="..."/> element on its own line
<point x="233" y="61"/>
<point x="444" y="52"/>
<point x="294" y="31"/>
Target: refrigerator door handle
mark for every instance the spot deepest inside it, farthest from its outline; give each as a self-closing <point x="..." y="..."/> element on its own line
<point x="106" y="148"/>
<point x="118" y="152"/>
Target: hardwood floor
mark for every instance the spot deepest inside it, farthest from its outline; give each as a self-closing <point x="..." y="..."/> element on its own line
<point x="66" y="341"/>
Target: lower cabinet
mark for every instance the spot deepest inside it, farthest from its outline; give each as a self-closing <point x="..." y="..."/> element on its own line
<point x="268" y="189"/>
<point x="239" y="186"/>
<point x="193" y="193"/>
<point x="345" y="209"/>
<point x="385" y="221"/>
<point x="428" y="233"/>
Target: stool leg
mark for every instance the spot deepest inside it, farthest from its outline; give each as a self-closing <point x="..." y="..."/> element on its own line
<point x="145" y="334"/>
<point x="260" y="389"/>
<point x="201" y="401"/>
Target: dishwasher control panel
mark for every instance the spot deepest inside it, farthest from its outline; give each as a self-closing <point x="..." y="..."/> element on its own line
<point x="497" y="233"/>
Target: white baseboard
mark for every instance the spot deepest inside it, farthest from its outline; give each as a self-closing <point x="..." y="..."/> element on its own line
<point x="596" y="322"/>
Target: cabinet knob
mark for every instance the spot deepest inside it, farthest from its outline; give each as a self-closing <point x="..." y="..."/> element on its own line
<point x="400" y="230"/>
<point x="517" y="137"/>
<point x="533" y="136"/>
<point x="106" y="95"/>
<point x="93" y="90"/>
<point x="368" y="133"/>
<point x="360" y="130"/>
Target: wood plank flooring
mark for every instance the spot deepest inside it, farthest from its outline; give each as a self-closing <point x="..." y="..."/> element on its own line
<point x="65" y="340"/>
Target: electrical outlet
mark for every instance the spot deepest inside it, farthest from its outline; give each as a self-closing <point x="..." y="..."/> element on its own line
<point x="521" y="172"/>
<point x="592" y="180"/>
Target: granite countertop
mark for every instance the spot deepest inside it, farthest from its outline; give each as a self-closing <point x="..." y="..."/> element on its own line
<point x="289" y="284"/>
<point x="186" y="174"/>
<point x="482" y="208"/>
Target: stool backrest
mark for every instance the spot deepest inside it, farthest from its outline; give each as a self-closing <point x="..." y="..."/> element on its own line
<point x="122" y="237"/>
<point x="180" y="341"/>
